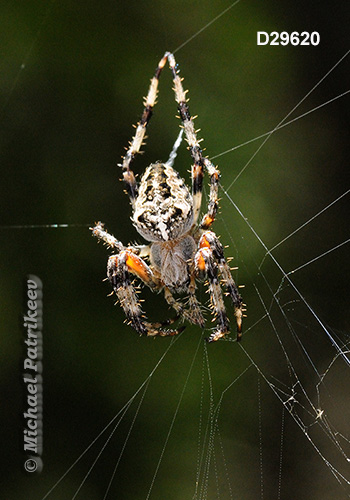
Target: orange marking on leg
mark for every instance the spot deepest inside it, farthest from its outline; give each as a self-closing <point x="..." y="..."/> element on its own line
<point x="204" y="243"/>
<point x="136" y="266"/>
<point x="200" y="262"/>
<point x="207" y="221"/>
<point x="197" y="170"/>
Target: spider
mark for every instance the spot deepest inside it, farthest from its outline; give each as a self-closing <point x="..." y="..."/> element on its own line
<point x="166" y="214"/>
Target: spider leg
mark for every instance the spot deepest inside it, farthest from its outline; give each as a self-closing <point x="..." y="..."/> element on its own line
<point x="210" y="241"/>
<point x="206" y="266"/>
<point x="196" y="152"/>
<point x="99" y="232"/>
<point x="119" y="269"/>
<point x="175" y="304"/>
<point x="193" y="313"/>
<point x="137" y="140"/>
<point x="213" y="205"/>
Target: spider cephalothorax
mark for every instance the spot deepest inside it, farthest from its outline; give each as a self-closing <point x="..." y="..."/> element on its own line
<point x="166" y="214"/>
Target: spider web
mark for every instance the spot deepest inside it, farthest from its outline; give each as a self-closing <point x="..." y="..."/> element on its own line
<point x="126" y="418"/>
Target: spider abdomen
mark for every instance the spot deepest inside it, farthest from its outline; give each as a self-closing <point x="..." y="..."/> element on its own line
<point x="164" y="207"/>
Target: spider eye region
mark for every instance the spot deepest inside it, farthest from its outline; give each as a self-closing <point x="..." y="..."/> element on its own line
<point x="163" y="209"/>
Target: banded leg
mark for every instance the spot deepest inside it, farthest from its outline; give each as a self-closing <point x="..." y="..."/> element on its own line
<point x="206" y="266"/>
<point x="137" y="140"/>
<point x="199" y="161"/>
<point x="210" y="241"/>
<point x="213" y="205"/>
<point x="118" y="270"/>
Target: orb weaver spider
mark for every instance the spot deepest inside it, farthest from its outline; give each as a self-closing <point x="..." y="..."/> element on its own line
<point x="166" y="213"/>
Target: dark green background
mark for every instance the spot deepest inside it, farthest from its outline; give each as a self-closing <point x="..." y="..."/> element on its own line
<point x="66" y="116"/>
